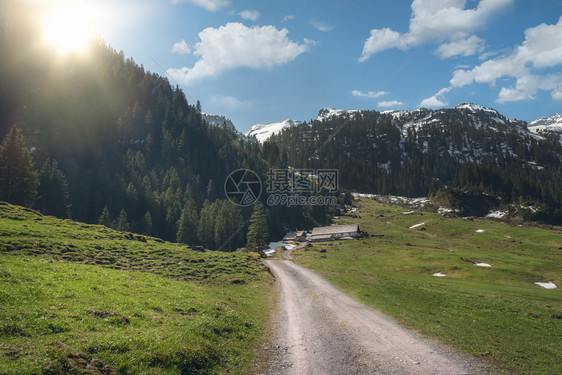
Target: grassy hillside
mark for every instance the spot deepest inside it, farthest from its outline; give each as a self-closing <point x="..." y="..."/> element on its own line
<point x="76" y="297"/>
<point x="494" y="312"/>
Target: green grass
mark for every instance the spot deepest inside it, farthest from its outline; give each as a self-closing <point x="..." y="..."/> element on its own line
<point x="78" y="298"/>
<point x="495" y="313"/>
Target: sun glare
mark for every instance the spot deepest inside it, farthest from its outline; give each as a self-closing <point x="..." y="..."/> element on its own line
<point x="68" y="27"/>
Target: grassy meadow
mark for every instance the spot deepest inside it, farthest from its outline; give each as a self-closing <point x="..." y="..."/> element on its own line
<point x="77" y="298"/>
<point x="496" y="313"/>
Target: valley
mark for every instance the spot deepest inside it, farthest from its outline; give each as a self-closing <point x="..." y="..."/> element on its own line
<point x="497" y="313"/>
<point x="141" y="182"/>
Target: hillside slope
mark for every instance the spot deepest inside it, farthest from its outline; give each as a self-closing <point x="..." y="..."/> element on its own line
<point x="85" y="297"/>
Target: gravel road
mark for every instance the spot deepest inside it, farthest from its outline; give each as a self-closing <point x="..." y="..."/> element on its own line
<point x="321" y="330"/>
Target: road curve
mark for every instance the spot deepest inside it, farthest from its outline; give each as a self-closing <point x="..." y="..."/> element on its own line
<point x="321" y="330"/>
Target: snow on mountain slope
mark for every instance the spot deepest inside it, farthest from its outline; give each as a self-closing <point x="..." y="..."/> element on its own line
<point x="547" y="125"/>
<point x="220" y="121"/>
<point x="553" y="123"/>
<point x="264" y="131"/>
<point x="326" y="113"/>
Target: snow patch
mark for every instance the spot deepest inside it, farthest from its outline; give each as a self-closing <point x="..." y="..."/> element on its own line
<point x="482" y="264"/>
<point x="549" y="285"/>
<point x="439" y="274"/>
<point x="496" y="214"/>
<point x="444" y="210"/>
<point x="480" y="231"/>
<point x="263" y="131"/>
<point x="416" y="225"/>
<point x="274" y="245"/>
<point x="368" y="196"/>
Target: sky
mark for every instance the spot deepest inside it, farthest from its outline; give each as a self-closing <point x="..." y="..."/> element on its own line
<point x="266" y="61"/>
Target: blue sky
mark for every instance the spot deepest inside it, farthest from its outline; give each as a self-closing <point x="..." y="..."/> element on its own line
<point x="266" y="61"/>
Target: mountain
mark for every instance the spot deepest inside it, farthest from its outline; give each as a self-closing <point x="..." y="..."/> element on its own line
<point x="469" y="148"/>
<point x="125" y="148"/>
<point x="327" y="113"/>
<point x="263" y="131"/>
<point x="219" y="121"/>
<point x="547" y="126"/>
<point x="548" y="122"/>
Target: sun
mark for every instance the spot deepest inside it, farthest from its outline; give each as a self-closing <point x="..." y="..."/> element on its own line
<point x="68" y="27"/>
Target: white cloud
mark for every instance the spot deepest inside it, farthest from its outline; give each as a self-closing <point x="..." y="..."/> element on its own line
<point x="541" y="50"/>
<point x="236" y="45"/>
<point x="557" y="94"/>
<point x="288" y="17"/>
<point x="381" y="40"/>
<point x="489" y="54"/>
<point x="513" y="95"/>
<point x="321" y="26"/>
<point x="370" y="94"/>
<point x="434" y="101"/>
<point x="230" y="102"/>
<point x="251" y="15"/>
<point x="437" y="21"/>
<point x="462" y="47"/>
<point x="390" y="103"/>
<point x="210" y="5"/>
<point x="181" y="47"/>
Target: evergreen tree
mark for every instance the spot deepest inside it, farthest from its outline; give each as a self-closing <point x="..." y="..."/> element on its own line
<point x="206" y="227"/>
<point x="189" y="220"/>
<point x="258" y="231"/>
<point x="148" y="223"/>
<point x="53" y="190"/>
<point x="123" y="222"/>
<point x="211" y="191"/>
<point x="229" y="227"/>
<point x="105" y="217"/>
<point x="18" y="180"/>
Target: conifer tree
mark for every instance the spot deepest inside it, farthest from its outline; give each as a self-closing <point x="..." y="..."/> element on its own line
<point x="148" y="223"/>
<point x="105" y="217"/>
<point x="123" y="222"/>
<point x="258" y="231"/>
<point x="18" y="180"/>
<point x="228" y="227"/>
<point x="187" y="226"/>
<point x="206" y="227"/>
<point x="211" y="192"/>
<point x="53" y="190"/>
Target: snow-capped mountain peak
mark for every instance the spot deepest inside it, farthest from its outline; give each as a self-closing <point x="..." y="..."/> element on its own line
<point x="552" y="121"/>
<point x="547" y="125"/>
<point x="475" y="108"/>
<point x="326" y="113"/>
<point x="264" y="131"/>
<point x="217" y="120"/>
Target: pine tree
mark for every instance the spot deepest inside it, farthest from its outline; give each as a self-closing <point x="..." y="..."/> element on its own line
<point x="206" y="227"/>
<point x="221" y="233"/>
<point x="148" y="223"/>
<point x="123" y="222"/>
<point x="105" y="217"/>
<point x="18" y="180"/>
<point x="258" y="231"/>
<point x="188" y="223"/>
<point x="229" y="227"/>
<point x="53" y="190"/>
<point x="211" y="192"/>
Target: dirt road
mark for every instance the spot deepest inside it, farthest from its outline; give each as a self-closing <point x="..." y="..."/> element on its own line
<point x="321" y="330"/>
